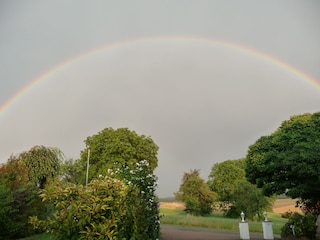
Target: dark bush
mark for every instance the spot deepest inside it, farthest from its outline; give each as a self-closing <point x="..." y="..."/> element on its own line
<point x="15" y="208"/>
<point x="287" y="214"/>
<point x="299" y="226"/>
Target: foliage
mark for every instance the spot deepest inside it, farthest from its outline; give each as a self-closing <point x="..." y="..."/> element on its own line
<point x="8" y="227"/>
<point x="18" y="200"/>
<point x="142" y="219"/>
<point x="302" y="225"/>
<point x="85" y="212"/>
<point x="122" y="205"/>
<point x="287" y="214"/>
<point x="288" y="161"/>
<point x="195" y="193"/>
<point x="43" y="164"/>
<point x="122" y="146"/>
<point x="225" y="177"/>
<point x="70" y="171"/>
<point x="14" y="173"/>
<point x="249" y="199"/>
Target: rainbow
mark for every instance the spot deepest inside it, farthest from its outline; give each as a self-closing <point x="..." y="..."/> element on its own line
<point x="277" y="62"/>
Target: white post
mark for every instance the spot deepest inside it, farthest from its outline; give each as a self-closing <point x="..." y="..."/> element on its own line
<point x="244" y="228"/>
<point x="267" y="228"/>
<point x="87" y="175"/>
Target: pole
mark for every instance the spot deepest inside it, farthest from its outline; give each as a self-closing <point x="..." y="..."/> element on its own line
<point x="87" y="175"/>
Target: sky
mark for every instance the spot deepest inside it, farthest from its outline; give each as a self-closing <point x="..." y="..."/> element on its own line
<point x="203" y="79"/>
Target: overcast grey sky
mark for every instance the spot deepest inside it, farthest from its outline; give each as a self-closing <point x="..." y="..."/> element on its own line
<point x="202" y="102"/>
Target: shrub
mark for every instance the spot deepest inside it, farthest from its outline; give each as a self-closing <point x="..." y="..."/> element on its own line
<point x="249" y="199"/>
<point x="18" y="200"/>
<point x="85" y="212"/>
<point x="122" y="205"/>
<point x="301" y="225"/>
<point x="143" y="219"/>
<point x="287" y="214"/>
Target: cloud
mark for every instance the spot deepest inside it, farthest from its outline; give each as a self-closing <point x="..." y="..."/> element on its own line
<point x="201" y="105"/>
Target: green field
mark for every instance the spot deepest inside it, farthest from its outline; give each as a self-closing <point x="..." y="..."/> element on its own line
<point x="216" y="221"/>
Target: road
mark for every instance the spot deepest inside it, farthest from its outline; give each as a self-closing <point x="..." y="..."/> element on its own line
<point x="187" y="233"/>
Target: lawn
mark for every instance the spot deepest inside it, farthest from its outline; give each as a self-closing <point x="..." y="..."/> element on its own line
<point x="172" y="213"/>
<point x="216" y="221"/>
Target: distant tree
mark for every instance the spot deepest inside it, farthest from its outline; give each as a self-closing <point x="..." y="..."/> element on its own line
<point x="288" y="161"/>
<point x="249" y="199"/>
<point x="43" y="163"/>
<point x="14" y="173"/>
<point x="70" y="171"/>
<point x="225" y="177"/>
<point x="110" y="147"/>
<point x="195" y="194"/>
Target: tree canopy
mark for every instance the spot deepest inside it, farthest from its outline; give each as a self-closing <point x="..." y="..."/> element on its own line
<point x="225" y="177"/>
<point x="43" y="163"/>
<point x="288" y="161"/>
<point x="19" y="199"/>
<point x="195" y="193"/>
<point x="249" y="199"/>
<point x="111" y="147"/>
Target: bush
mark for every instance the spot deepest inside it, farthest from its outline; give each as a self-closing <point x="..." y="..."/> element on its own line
<point x="122" y="205"/>
<point x="18" y="200"/>
<point x="143" y="219"/>
<point x="85" y="212"/>
<point x="287" y="214"/>
<point x="15" y="208"/>
<point x="301" y="225"/>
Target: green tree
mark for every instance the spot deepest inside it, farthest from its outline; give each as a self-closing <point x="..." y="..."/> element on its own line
<point x="43" y="164"/>
<point x="288" y="161"/>
<point x="225" y="177"/>
<point x="110" y="147"/>
<point x="70" y="171"/>
<point x="249" y="199"/>
<point x="195" y="194"/>
<point x="18" y="200"/>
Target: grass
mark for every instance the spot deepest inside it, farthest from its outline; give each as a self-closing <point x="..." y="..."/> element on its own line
<point x="216" y="221"/>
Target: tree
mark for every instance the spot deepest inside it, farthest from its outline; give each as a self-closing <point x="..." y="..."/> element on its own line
<point x="43" y="163"/>
<point x="19" y="199"/>
<point x="70" y="171"/>
<point x="14" y="174"/>
<point x="288" y="161"/>
<point x="225" y="177"/>
<point x="121" y="146"/>
<point x="195" y="193"/>
<point x="249" y="199"/>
